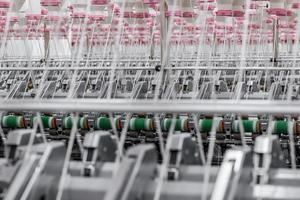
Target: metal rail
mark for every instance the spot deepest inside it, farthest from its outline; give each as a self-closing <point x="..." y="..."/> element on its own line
<point x="148" y="68"/>
<point x="99" y="59"/>
<point x="159" y="106"/>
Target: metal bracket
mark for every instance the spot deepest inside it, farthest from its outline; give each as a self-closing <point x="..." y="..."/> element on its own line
<point x="17" y="139"/>
<point x="235" y="169"/>
<point x="183" y="151"/>
<point x="267" y="155"/>
<point x="98" y="146"/>
<point x="136" y="172"/>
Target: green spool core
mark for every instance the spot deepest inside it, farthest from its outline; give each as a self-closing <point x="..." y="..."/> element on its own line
<point x="45" y="121"/>
<point x="281" y="127"/>
<point x="68" y="123"/>
<point x="139" y="124"/>
<point x="248" y="126"/>
<point x="166" y="124"/>
<point x="79" y="123"/>
<point x="82" y="123"/>
<point x="12" y="121"/>
<point x="9" y="121"/>
<point x="206" y="125"/>
<point x="178" y="125"/>
<point x="104" y="123"/>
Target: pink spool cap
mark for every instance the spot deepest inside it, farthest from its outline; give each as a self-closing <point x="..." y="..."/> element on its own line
<point x="230" y="13"/>
<point x="4" y="4"/>
<point x="100" y="2"/>
<point x="280" y="12"/>
<point x="50" y="2"/>
<point x="296" y="6"/>
<point x="33" y="17"/>
<point x="151" y="1"/>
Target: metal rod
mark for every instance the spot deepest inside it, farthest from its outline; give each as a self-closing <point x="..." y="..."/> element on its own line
<point x="138" y="106"/>
<point x="148" y="68"/>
